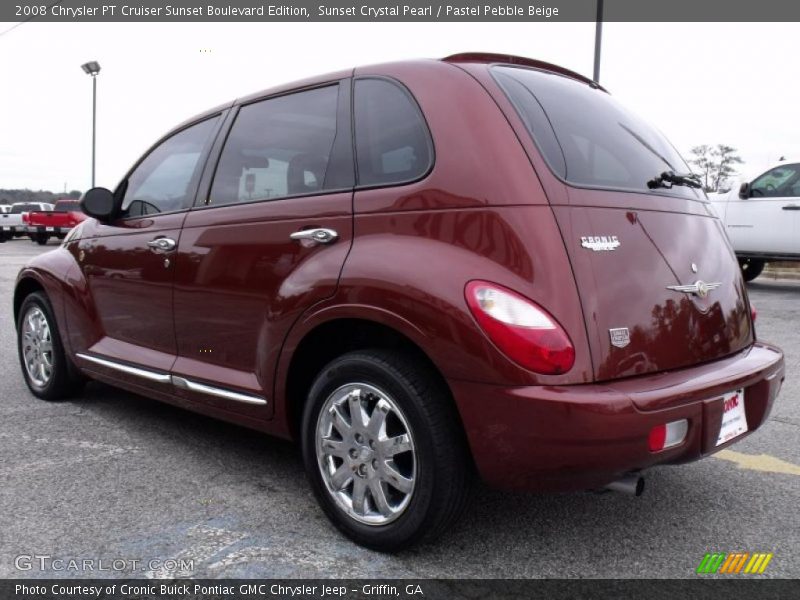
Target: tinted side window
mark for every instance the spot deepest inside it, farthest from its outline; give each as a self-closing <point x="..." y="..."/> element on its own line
<point x="165" y="180"/>
<point x="284" y="146"/>
<point x="393" y="144"/>
<point x="780" y="182"/>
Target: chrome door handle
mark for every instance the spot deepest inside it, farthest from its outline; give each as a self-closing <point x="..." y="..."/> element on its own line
<point x="162" y="244"/>
<point x="319" y="235"/>
<point x="791" y="207"/>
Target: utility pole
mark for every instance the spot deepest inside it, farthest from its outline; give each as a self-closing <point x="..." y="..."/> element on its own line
<point x="598" y="38"/>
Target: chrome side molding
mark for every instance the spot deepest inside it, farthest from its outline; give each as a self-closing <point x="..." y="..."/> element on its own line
<point x="202" y="388"/>
<point x="123" y="368"/>
<point x="179" y="382"/>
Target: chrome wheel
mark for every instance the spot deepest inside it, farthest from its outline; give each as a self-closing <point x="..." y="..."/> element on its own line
<point x="365" y="452"/>
<point x="37" y="347"/>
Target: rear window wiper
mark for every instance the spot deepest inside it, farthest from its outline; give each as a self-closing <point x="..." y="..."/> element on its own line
<point x="669" y="178"/>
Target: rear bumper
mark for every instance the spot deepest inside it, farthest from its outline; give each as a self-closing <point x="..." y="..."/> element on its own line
<point x="47" y="229"/>
<point x="585" y="436"/>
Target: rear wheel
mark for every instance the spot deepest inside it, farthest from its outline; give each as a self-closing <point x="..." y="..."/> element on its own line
<point x="751" y="268"/>
<point x="384" y="450"/>
<point x="45" y="366"/>
<point x="41" y="239"/>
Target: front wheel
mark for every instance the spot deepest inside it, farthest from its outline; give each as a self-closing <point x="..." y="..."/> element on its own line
<point x="384" y="450"/>
<point x="751" y="268"/>
<point x="45" y="366"/>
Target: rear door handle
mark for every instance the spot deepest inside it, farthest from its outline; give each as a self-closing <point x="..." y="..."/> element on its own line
<point x="791" y="207"/>
<point x="162" y="244"/>
<point x="319" y="235"/>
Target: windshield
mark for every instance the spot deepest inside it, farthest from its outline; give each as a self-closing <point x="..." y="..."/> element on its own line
<point x="587" y="138"/>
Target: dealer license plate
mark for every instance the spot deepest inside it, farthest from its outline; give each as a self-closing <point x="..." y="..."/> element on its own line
<point x="734" y="421"/>
<point x="48" y="229"/>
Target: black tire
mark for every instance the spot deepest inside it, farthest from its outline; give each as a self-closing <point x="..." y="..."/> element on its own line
<point x="443" y="471"/>
<point x="42" y="239"/>
<point x="751" y="268"/>
<point x="65" y="380"/>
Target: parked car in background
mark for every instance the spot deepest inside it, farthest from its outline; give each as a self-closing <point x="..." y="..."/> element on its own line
<point x="762" y="217"/>
<point x="11" y="223"/>
<point x="42" y="225"/>
<point x="517" y="287"/>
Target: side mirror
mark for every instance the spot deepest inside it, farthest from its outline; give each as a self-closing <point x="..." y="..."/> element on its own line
<point x="99" y="203"/>
<point x="744" y="191"/>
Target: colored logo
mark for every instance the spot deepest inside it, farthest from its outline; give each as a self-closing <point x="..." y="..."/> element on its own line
<point x="734" y="563"/>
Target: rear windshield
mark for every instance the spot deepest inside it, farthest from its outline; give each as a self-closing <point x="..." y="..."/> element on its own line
<point x="587" y="138"/>
<point x="23" y="208"/>
<point x="67" y="206"/>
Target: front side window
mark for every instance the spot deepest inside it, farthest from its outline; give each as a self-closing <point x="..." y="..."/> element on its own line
<point x="393" y="144"/>
<point x="283" y="146"/>
<point x="165" y="180"/>
<point x="587" y="138"/>
<point x="780" y="182"/>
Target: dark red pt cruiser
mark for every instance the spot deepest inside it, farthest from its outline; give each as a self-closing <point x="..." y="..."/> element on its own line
<point x="420" y="271"/>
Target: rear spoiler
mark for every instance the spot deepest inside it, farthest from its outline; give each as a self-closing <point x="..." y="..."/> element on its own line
<point x="510" y="59"/>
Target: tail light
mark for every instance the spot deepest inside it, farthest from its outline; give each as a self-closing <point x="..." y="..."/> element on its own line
<point x="523" y="331"/>
<point x="753" y="313"/>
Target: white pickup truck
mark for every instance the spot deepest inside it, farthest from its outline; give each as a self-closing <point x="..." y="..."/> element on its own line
<point x="11" y="224"/>
<point x="762" y="217"/>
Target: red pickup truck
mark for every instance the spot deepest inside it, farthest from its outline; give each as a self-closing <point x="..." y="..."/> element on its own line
<point x="41" y="225"/>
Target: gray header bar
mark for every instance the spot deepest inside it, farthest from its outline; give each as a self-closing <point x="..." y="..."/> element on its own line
<point x="143" y="11"/>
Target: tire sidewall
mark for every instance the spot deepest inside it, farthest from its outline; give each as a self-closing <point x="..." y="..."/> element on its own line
<point x="360" y="368"/>
<point x="52" y="388"/>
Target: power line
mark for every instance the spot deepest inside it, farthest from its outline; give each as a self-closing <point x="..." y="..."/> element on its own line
<point x="29" y="19"/>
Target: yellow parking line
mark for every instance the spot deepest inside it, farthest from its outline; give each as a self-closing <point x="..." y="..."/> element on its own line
<point x="759" y="462"/>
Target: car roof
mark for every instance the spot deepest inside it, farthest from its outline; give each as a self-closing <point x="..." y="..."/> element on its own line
<point x="487" y="58"/>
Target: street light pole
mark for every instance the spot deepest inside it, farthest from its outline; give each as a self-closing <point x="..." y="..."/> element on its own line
<point x="93" y="68"/>
<point x="598" y="37"/>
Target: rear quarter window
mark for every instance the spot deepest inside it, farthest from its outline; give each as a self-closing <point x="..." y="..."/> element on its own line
<point x="393" y="144"/>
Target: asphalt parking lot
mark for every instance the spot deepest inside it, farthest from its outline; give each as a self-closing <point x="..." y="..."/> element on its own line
<point x="115" y="476"/>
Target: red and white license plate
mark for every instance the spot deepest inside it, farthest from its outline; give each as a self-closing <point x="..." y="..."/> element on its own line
<point x="734" y="421"/>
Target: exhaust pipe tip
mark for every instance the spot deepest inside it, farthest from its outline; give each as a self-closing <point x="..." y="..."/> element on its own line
<point x="630" y="484"/>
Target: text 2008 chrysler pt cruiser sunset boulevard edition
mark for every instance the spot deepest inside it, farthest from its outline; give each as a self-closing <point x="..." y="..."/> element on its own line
<point x="420" y="271"/>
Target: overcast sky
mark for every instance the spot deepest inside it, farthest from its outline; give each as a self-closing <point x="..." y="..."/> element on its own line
<point x="734" y="83"/>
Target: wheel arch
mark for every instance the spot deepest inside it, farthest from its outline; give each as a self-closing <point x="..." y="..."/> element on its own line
<point x="26" y="285"/>
<point x="342" y="332"/>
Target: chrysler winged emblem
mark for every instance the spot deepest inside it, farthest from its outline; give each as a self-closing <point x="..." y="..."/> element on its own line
<point x="699" y="288"/>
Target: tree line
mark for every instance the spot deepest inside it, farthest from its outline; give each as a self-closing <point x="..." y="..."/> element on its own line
<point x="12" y="196"/>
